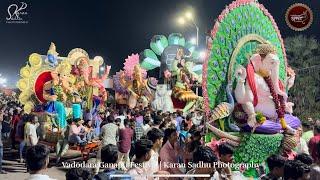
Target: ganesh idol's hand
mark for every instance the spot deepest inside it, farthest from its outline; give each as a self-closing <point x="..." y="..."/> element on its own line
<point x="283" y="94"/>
<point x="252" y="122"/>
<point x="106" y="73"/>
<point x="289" y="106"/>
<point x="108" y="68"/>
<point x="241" y="73"/>
<point x="53" y="98"/>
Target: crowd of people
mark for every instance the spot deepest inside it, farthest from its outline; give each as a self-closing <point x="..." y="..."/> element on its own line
<point x="145" y="144"/>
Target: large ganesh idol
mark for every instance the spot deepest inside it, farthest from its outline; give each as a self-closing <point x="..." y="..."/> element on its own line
<point x="259" y="90"/>
<point x="87" y="84"/>
<point x="138" y="90"/>
<point x="62" y="87"/>
<point x="132" y="87"/>
<point x="245" y="82"/>
<point x="245" y="74"/>
<point x="56" y="92"/>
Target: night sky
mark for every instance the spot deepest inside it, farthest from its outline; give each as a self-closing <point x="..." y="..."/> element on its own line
<point x="113" y="29"/>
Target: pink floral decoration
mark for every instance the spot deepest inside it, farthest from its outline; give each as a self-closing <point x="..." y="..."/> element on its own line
<point x="245" y="1"/>
<point x="232" y="5"/>
<point x="215" y="29"/>
<point x="129" y="64"/>
<point x="220" y="17"/>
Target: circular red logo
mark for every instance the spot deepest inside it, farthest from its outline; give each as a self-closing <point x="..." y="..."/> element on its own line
<point x="299" y="17"/>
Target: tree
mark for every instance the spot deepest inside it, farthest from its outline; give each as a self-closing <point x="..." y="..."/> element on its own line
<point x="303" y="54"/>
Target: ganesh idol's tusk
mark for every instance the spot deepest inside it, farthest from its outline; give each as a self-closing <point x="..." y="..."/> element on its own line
<point x="222" y="134"/>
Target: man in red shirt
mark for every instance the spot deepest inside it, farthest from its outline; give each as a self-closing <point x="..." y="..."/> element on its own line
<point x="125" y="138"/>
<point x="14" y="122"/>
<point x="314" y="141"/>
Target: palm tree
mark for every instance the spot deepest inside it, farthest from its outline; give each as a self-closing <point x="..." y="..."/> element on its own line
<point x="303" y="55"/>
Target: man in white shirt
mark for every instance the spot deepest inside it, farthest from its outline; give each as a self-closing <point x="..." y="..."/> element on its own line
<point x="146" y="126"/>
<point x="122" y="117"/>
<point x="156" y="136"/>
<point x="31" y="137"/>
<point x="139" y="170"/>
<point x="37" y="159"/>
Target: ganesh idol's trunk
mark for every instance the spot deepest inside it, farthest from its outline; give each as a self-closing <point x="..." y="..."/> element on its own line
<point x="275" y="81"/>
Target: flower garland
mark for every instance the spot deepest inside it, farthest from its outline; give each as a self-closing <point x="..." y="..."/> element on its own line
<point x="278" y="101"/>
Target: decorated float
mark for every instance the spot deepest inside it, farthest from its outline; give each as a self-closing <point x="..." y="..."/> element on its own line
<point x="245" y="84"/>
<point x="132" y="86"/>
<point x="56" y="88"/>
<point x="179" y="65"/>
<point x="180" y="72"/>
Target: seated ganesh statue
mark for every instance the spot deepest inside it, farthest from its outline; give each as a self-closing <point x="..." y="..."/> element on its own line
<point x="246" y="78"/>
<point x="133" y="88"/>
<point x="57" y="88"/>
<point x="260" y="92"/>
<point x="262" y="112"/>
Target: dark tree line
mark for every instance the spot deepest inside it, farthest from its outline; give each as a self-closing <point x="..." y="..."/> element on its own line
<point x="303" y="55"/>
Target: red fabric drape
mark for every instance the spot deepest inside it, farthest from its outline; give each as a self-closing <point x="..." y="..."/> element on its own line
<point x="252" y="84"/>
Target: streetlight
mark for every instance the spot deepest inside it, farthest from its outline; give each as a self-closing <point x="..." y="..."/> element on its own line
<point x="181" y="20"/>
<point x="189" y="15"/>
<point x="189" y="18"/>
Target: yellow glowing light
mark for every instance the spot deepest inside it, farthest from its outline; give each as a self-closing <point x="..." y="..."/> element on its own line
<point x="189" y="15"/>
<point x="181" y="20"/>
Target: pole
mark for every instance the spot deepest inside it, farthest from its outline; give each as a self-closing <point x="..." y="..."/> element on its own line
<point x="197" y="35"/>
<point x="197" y="43"/>
<point x="197" y="29"/>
